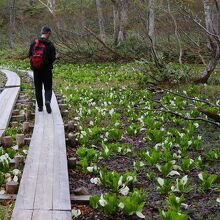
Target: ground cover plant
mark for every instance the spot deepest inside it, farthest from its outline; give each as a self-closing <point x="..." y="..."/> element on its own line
<point x="134" y="143"/>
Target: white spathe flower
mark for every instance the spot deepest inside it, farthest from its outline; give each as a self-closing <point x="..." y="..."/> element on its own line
<point x="160" y="181"/>
<point x="189" y="143"/>
<point x="120" y="181"/>
<point x="173" y="173"/>
<point x="174" y="188"/>
<point x="124" y="190"/>
<point x="91" y="123"/>
<point x="196" y="125"/>
<point x="76" y="213"/>
<point x="129" y="178"/>
<point x="106" y="150"/>
<point x="102" y="201"/>
<point x="158" y="167"/>
<point x="96" y="181"/>
<point x="141" y="164"/>
<point x="25" y="152"/>
<point x="177" y="167"/>
<point x="175" y="156"/>
<point x="15" y="179"/>
<point x="90" y="169"/>
<point x="218" y="199"/>
<point x="111" y="111"/>
<point x="119" y="150"/>
<point x="16" y="172"/>
<point x="200" y="176"/>
<point x="181" y="134"/>
<point x="177" y="199"/>
<point x="140" y="215"/>
<point x="184" y="180"/>
<point x="199" y="137"/>
<point x="184" y="205"/>
<point x="121" y="205"/>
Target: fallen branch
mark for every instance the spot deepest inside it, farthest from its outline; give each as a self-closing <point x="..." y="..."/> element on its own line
<point x="193" y="99"/>
<point x="187" y="118"/>
<point x="103" y="43"/>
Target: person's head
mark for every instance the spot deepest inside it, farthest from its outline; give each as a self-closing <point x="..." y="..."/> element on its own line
<point x="46" y="31"/>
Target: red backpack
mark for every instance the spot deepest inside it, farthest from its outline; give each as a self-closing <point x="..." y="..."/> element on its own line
<point x="38" y="55"/>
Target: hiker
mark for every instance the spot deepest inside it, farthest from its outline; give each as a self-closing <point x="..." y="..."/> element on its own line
<point x="42" y="54"/>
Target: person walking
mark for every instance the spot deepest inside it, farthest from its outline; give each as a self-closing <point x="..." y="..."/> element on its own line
<point x="42" y="54"/>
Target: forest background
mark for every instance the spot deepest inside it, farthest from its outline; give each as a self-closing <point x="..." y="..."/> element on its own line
<point x="180" y="31"/>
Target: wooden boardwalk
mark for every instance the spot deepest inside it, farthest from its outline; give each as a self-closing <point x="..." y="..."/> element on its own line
<point x="8" y="99"/>
<point x="44" y="188"/>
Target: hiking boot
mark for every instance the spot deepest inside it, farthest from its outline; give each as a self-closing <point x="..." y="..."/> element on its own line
<point x="49" y="110"/>
<point x="40" y="109"/>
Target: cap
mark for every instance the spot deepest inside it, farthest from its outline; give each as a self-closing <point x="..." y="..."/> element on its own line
<point x="45" y="29"/>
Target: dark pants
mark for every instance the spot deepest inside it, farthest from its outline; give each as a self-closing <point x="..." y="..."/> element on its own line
<point x="43" y="77"/>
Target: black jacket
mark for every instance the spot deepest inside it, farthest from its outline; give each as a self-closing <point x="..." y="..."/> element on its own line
<point x="50" y="52"/>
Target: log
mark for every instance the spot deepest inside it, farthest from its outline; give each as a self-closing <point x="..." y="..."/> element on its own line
<point x="212" y="115"/>
<point x="18" y="118"/>
<point x="12" y="187"/>
<point x="82" y="191"/>
<point x="19" y="161"/>
<point x="14" y="124"/>
<point x="26" y="127"/>
<point x="65" y="113"/>
<point x="27" y="141"/>
<point x="72" y="140"/>
<point x="7" y="141"/>
<point x="20" y="140"/>
<point x="15" y="112"/>
<point x="71" y="127"/>
<point x="63" y="107"/>
<point x="72" y="161"/>
<point x="82" y="200"/>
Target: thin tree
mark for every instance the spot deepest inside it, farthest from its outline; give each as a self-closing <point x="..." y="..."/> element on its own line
<point x="101" y="21"/>
<point x="151" y="22"/>
<point x="120" y="16"/>
<point x="211" y="30"/>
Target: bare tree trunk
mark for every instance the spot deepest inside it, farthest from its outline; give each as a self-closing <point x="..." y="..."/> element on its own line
<point x="12" y="29"/>
<point x="116" y="21"/>
<point x="176" y="32"/>
<point x="123" y="21"/>
<point x="51" y="6"/>
<point x="151" y="22"/>
<point x="214" y="43"/>
<point x="101" y="21"/>
<point x="120" y="15"/>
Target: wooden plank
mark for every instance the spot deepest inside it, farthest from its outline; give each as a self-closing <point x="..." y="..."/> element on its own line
<point x="26" y="192"/>
<point x="42" y="215"/>
<point x="22" y="215"/>
<point x="61" y="193"/>
<point x="82" y="200"/>
<point x="8" y="98"/>
<point x="62" y="215"/>
<point x="44" y="187"/>
<point x="56" y="111"/>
